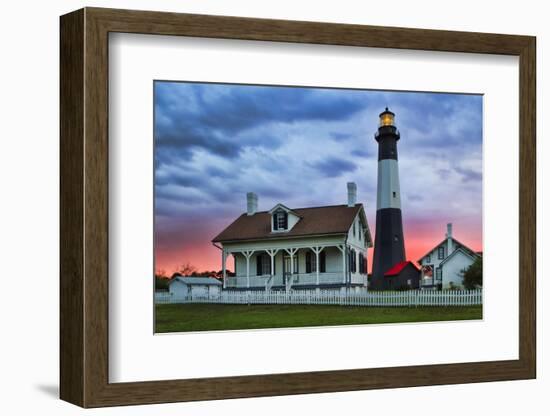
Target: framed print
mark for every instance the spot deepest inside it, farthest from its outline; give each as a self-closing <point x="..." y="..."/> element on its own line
<point x="255" y="207"/>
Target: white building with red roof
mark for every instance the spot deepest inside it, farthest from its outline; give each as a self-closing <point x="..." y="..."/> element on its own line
<point x="403" y="275"/>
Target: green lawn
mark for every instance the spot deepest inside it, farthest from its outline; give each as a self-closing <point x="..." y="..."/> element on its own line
<point x="210" y="317"/>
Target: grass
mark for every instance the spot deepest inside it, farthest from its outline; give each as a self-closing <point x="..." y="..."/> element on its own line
<point x="211" y="317"/>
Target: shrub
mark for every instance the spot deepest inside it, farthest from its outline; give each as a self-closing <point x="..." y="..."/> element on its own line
<point x="473" y="275"/>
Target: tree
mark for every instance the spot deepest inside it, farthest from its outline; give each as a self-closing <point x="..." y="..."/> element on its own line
<point x="161" y="274"/>
<point x="187" y="269"/>
<point x="473" y="275"/>
<point x="161" y="280"/>
<point x="161" y="283"/>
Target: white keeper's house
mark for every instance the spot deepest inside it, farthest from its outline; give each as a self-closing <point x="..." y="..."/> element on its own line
<point x="297" y="248"/>
<point x="442" y="267"/>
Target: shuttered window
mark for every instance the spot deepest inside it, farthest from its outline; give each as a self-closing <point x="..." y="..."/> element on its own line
<point x="311" y="262"/>
<point x="361" y="263"/>
<point x="263" y="265"/>
<point x="280" y="220"/>
<point x="352" y="261"/>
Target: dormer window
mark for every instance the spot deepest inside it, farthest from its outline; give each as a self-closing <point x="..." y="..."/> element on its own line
<point x="280" y="220"/>
<point x="283" y="219"/>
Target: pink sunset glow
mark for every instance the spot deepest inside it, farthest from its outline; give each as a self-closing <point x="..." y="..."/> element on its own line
<point x="419" y="239"/>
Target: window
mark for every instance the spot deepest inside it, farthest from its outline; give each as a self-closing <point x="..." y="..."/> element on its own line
<point x="266" y="265"/>
<point x="438" y="273"/>
<point x="323" y="261"/>
<point x="394" y="194"/>
<point x="395" y="237"/>
<point x="428" y="259"/>
<point x="352" y="261"/>
<point x="263" y="265"/>
<point x="441" y="252"/>
<point x="311" y="262"/>
<point x="280" y="220"/>
<point x="281" y="223"/>
<point x="354" y="228"/>
<point x="362" y="264"/>
<point x="287" y="266"/>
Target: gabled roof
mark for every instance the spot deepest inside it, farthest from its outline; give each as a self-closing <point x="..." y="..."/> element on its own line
<point x="398" y="268"/>
<point x="470" y="254"/>
<point x="334" y="219"/>
<point x="283" y="207"/>
<point x="461" y="245"/>
<point x="197" y="281"/>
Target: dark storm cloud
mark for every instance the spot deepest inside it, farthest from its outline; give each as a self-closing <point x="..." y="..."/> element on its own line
<point x="361" y="153"/>
<point x="468" y="175"/>
<point x="222" y="118"/>
<point x="334" y="166"/>
<point x="436" y="120"/>
<point x="340" y="136"/>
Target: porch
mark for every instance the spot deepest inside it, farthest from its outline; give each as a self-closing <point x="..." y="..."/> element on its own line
<point x="296" y="267"/>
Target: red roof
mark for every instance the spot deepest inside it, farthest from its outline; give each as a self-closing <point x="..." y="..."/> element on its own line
<point x="398" y="268"/>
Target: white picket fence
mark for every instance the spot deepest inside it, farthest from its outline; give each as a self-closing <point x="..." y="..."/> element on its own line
<point x="411" y="298"/>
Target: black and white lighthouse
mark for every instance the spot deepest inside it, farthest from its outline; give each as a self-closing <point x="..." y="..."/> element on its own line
<point x="389" y="245"/>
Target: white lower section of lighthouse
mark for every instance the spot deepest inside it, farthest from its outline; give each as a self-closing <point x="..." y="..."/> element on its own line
<point x="389" y="195"/>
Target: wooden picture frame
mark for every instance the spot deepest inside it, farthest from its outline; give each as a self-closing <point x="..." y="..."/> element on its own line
<point x="84" y="207"/>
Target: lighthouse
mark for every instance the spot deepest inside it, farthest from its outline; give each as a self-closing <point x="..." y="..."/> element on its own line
<point x="389" y="245"/>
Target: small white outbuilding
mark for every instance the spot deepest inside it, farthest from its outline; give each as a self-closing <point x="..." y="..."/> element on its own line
<point x="195" y="287"/>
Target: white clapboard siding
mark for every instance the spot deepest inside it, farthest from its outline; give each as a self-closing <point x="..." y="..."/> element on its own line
<point x="352" y="297"/>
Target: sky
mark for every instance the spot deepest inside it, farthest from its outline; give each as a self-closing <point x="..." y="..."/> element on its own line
<point x="300" y="146"/>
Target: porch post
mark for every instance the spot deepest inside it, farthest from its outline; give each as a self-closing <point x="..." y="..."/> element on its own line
<point x="317" y="265"/>
<point x="272" y="253"/>
<point x="291" y="253"/>
<point x="224" y="273"/>
<point x="343" y="250"/>
<point x="317" y="251"/>
<point x="248" y="254"/>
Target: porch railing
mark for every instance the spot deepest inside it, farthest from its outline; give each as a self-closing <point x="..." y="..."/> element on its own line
<point x="298" y="279"/>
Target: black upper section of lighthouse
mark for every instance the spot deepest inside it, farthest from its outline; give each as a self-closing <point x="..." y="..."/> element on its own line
<point x="387" y="136"/>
